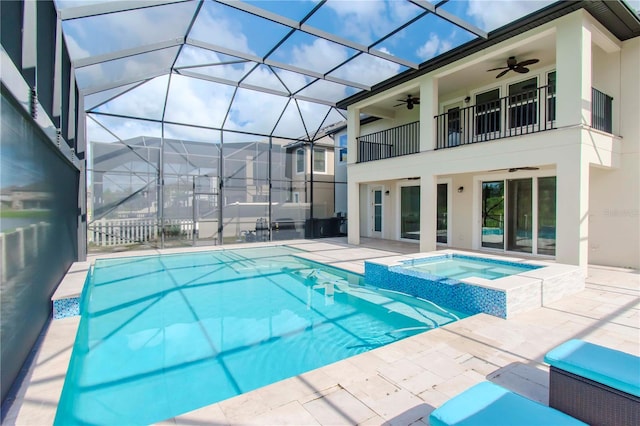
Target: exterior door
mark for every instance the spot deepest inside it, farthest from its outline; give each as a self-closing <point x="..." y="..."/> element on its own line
<point x="519" y="215"/>
<point x="442" y="220"/>
<point x="410" y="212"/>
<point x="454" y="125"/>
<point x="376" y="212"/>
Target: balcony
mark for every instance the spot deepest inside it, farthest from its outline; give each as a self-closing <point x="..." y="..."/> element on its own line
<point x="394" y="142"/>
<point x="523" y="113"/>
<point x="519" y="114"/>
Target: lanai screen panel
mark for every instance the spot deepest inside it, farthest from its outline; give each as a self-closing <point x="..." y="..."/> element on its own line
<point x="317" y="51"/>
<point x="214" y="97"/>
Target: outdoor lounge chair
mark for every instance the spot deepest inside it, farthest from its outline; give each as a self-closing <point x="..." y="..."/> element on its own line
<point x="598" y="385"/>
<point x="489" y="404"/>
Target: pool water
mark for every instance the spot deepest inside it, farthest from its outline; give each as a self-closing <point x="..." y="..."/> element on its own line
<point x="460" y="267"/>
<point x="163" y="335"/>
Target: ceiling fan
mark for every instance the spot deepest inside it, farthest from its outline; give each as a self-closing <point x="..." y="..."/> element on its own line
<point x="410" y="101"/>
<point x="513" y="65"/>
<point x="515" y="169"/>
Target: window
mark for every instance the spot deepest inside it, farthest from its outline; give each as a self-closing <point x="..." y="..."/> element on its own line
<point x="300" y="160"/>
<point x="488" y="112"/>
<point x="523" y="103"/>
<point x="551" y="96"/>
<point x="343" y="155"/>
<point x="319" y="160"/>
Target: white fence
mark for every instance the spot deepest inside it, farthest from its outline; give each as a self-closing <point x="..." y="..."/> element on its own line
<point x="20" y="247"/>
<point x="118" y="232"/>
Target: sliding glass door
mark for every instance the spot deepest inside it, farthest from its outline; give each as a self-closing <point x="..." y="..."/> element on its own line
<point x="443" y="213"/>
<point x="410" y="212"/>
<point x="547" y="215"/>
<point x="376" y="230"/>
<point x="520" y="215"/>
<point x="519" y="218"/>
<point x="493" y="214"/>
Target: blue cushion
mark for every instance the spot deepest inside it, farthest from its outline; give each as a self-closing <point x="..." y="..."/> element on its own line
<point x="610" y="367"/>
<point x="489" y="404"/>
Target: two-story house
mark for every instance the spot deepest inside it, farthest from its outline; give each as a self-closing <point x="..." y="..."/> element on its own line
<point x="525" y="142"/>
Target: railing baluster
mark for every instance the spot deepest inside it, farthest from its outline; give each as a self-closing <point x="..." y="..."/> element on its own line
<point x="512" y="115"/>
<point x="394" y="142"/>
<point x="518" y="114"/>
<point x="601" y="111"/>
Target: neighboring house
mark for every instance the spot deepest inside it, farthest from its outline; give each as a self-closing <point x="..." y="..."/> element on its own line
<point x="124" y="176"/>
<point x="311" y="170"/>
<point x="542" y="163"/>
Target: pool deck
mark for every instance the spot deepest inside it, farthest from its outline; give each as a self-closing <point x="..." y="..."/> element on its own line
<point x="397" y="384"/>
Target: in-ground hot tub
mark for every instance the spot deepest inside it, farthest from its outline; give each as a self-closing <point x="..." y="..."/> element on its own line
<point x="476" y="283"/>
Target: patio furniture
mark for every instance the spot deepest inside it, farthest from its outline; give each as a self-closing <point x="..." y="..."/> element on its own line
<point x="598" y="385"/>
<point x="489" y="404"/>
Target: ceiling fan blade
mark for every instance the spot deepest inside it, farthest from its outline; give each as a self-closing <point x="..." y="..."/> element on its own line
<point x="521" y="70"/>
<point x="398" y="105"/>
<point x="515" y="169"/>
<point x="502" y="73"/>
<point x="416" y="102"/>
<point x="528" y="62"/>
<point x="500" y="68"/>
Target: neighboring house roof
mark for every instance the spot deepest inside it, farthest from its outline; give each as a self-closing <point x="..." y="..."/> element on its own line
<point x="615" y="15"/>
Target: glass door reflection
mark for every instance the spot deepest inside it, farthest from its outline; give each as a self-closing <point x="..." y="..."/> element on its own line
<point x="410" y="212"/>
<point x="493" y="214"/>
<point x="519" y="222"/>
<point x="441" y="221"/>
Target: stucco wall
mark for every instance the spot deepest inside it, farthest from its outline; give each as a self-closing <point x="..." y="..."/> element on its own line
<point x="614" y="208"/>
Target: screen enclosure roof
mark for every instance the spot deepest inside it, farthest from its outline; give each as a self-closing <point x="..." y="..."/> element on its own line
<point x="259" y="67"/>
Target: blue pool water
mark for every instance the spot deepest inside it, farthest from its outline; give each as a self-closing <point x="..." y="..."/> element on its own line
<point x="460" y="267"/>
<point x="163" y="335"/>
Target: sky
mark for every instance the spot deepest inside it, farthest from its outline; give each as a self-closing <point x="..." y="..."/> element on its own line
<point x="209" y="103"/>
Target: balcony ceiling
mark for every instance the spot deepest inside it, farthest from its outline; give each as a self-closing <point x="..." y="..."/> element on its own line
<point x="475" y="75"/>
<point x="257" y="67"/>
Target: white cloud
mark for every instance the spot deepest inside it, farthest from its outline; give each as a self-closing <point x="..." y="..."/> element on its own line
<point x="319" y="56"/>
<point x="75" y="51"/>
<point x="255" y="111"/>
<point x="366" y="21"/>
<point x="325" y="90"/>
<point x="433" y="46"/>
<point x="213" y="27"/>
<point x="492" y="14"/>
<point x="123" y="128"/>
<point x="116" y="31"/>
<point x="368" y="69"/>
<point x="635" y="4"/>
<point x="145" y="101"/>
<point x="138" y="66"/>
<point x="193" y="101"/>
<point x="198" y="102"/>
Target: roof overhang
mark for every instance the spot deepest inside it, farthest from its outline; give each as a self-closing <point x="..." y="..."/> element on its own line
<point x="615" y="15"/>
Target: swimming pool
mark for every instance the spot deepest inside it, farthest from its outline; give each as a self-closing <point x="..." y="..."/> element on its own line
<point x="460" y="267"/>
<point x="163" y="335"/>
